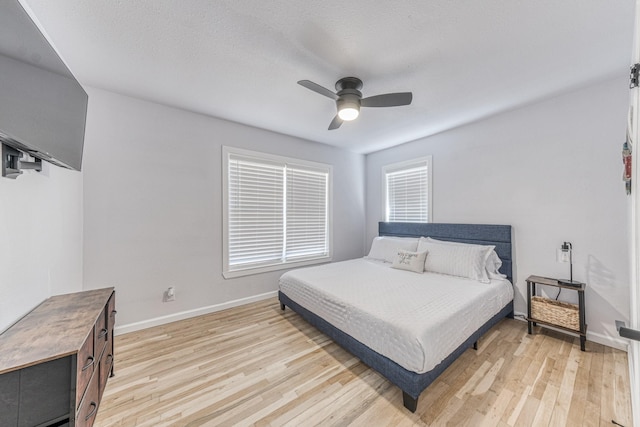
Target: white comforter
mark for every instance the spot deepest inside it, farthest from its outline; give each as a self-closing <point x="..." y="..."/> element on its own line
<point x="414" y="319"/>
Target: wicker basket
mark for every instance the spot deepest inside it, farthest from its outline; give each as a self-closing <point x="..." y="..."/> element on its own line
<point x="555" y="312"/>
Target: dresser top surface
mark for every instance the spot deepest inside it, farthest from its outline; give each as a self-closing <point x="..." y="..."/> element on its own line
<point x="56" y="328"/>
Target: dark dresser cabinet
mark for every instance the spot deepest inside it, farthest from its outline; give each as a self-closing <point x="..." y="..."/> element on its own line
<point x="55" y="361"/>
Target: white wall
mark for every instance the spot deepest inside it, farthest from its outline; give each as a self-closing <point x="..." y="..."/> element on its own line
<point x="152" y="205"/>
<point x="553" y="171"/>
<point x="152" y="213"/>
<point x="40" y="239"/>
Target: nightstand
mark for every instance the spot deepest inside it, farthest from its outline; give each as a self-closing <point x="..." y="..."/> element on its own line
<point x="549" y="312"/>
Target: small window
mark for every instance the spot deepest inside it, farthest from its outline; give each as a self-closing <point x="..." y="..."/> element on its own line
<point x="407" y="191"/>
<point x="276" y="212"/>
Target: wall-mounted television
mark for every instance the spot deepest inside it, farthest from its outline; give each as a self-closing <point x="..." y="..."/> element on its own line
<point x="42" y="107"/>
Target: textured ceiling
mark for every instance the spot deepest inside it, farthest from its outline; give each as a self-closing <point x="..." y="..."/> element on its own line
<point x="240" y="59"/>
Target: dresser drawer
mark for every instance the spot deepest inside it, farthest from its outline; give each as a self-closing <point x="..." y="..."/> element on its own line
<point x="85" y="365"/>
<point x="105" y="368"/>
<point x="89" y="405"/>
<point x="111" y="313"/>
<point x="44" y="393"/>
<point x="101" y="333"/>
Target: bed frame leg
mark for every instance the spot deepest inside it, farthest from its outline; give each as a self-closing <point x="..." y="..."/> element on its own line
<point x="475" y="345"/>
<point x="409" y="402"/>
<point x="282" y="306"/>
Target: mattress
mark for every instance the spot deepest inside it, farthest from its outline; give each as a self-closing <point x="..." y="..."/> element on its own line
<point x="414" y="319"/>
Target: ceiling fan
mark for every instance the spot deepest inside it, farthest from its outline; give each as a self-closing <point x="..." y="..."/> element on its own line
<point x="349" y="98"/>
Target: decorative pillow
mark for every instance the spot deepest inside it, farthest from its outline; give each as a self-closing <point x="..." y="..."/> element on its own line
<point x="408" y="260"/>
<point x="385" y="248"/>
<point x="493" y="261"/>
<point x="461" y="260"/>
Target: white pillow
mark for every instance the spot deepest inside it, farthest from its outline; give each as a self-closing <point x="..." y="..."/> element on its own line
<point x="408" y="260"/>
<point x="493" y="266"/>
<point x="493" y="261"/>
<point x="461" y="260"/>
<point x="385" y="248"/>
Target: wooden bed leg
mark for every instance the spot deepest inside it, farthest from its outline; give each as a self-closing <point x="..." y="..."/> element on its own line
<point x="475" y="345"/>
<point x="282" y="306"/>
<point x="409" y="402"/>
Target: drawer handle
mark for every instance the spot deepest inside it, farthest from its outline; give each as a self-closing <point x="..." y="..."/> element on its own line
<point x="102" y="333"/>
<point x="93" y="412"/>
<point x="91" y="359"/>
<point x="114" y="312"/>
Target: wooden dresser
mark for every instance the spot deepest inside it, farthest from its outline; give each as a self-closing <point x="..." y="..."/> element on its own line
<point x="55" y="361"/>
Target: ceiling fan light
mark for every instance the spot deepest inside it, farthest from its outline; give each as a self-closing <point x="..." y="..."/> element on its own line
<point x="348" y="112"/>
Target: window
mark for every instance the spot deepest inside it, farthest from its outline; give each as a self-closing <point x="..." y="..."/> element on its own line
<point x="276" y="212"/>
<point x="407" y="191"/>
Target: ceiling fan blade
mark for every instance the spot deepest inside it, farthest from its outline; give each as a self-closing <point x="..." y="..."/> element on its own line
<point x="388" y="100"/>
<point x="318" y="89"/>
<point x="335" y="123"/>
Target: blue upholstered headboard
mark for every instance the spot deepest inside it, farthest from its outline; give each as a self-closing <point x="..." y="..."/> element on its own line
<point x="479" y="234"/>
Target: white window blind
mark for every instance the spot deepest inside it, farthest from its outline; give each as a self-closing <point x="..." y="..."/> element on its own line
<point x="277" y="212"/>
<point x="306" y="213"/>
<point x="408" y="191"/>
<point x="256" y="214"/>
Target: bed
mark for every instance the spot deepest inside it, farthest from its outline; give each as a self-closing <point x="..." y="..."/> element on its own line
<point x="409" y="327"/>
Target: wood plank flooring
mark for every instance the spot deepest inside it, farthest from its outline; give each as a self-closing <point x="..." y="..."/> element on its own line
<point x="256" y="365"/>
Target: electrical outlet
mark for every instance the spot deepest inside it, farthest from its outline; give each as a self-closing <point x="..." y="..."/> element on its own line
<point x="169" y="294"/>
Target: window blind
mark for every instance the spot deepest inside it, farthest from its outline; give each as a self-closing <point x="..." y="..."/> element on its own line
<point x="277" y="212"/>
<point x="256" y="212"/>
<point x="306" y="213"/>
<point x="407" y="193"/>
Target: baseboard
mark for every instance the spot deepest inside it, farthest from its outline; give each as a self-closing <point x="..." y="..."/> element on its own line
<point x="157" y="321"/>
<point x="591" y="336"/>
<point x="608" y="341"/>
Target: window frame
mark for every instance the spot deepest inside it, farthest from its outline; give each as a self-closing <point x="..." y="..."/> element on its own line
<point x="406" y="165"/>
<point x="229" y="272"/>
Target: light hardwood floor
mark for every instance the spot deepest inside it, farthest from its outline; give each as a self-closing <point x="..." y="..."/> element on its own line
<point x="257" y="365"/>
